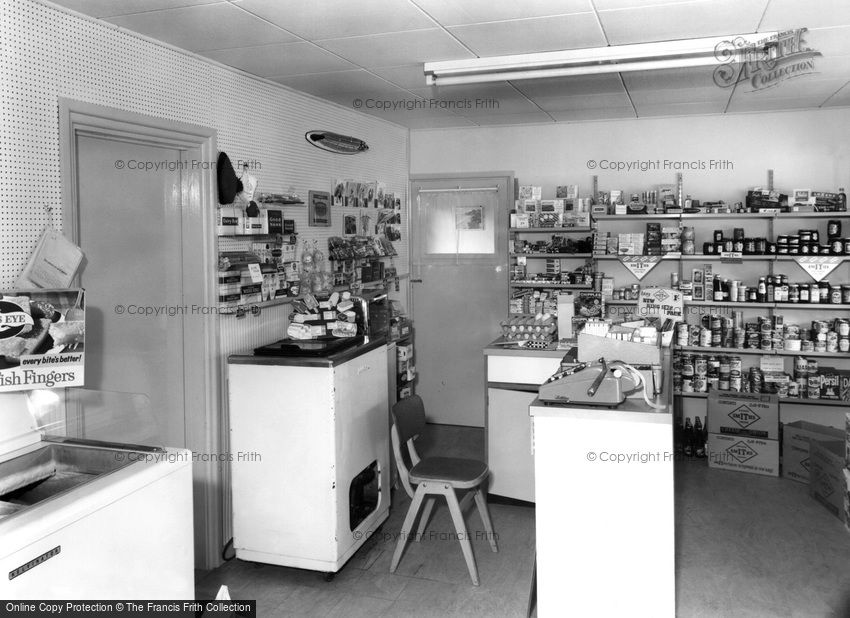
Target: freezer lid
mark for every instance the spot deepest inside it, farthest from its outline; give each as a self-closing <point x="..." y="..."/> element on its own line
<point x="18" y="425"/>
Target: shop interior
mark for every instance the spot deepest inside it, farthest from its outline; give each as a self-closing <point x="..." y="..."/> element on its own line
<point x="594" y="255"/>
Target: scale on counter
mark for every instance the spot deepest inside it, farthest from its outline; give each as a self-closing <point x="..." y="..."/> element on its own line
<point x="308" y="347"/>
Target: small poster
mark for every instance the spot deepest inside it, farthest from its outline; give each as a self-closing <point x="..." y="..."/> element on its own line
<point x="42" y="337"/>
<point x="661" y="303"/>
<point x="349" y="225"/>
<point x="640" y="265"/>
<point x="469" y="218"/>
<point x="319" y="203"/>
<point x="818" y="266"/>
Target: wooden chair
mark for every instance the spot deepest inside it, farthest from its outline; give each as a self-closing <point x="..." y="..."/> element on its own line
<point x="435" y="476"/>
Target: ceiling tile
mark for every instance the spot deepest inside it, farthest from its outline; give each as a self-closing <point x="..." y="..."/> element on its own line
<point x="393" y="49"/>
<point x="405" y="76"/>
<point x="415" y="120"/>
<point x="711" y="94"/>
<point x="454" y="13"/>
<point x="680" y="109"/>
<point x="280" y="59"/>
<point x="840" y="98"/>
<point x="790" y="14"/>
<point x="111" y="8"/>
<point x="331" y="19"/>
<point x="473" y="99"/>
<point x="588" y="101"/>
<point x="199" y="28"/>
<point x="751" y="104"/>
<point x="570" y="86"/>
<point x="525" y="36"/>
<point x="667" y="22"/>
<point x="805" y="86"/>
<point x="512" y="119"/>
<point x="582" y="115"/>
<point x="607" y="5"/>
<point x="342" y="82"/>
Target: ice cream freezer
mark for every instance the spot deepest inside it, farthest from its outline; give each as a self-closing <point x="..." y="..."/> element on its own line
<point x="90" y="520"/>
<point x="309" y="434"/>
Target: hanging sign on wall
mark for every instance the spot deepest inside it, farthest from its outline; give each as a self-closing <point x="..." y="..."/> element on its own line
<point x="334" y="142"/>
<point x="818" y="266"/>
<point x="640" y="265"/>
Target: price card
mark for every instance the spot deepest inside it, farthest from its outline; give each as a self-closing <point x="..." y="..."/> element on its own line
<point x="255" y="272"/>
<point x="731" y="257"/>
<point x="640" y="265"/>
<point x="772" y="364"/>
<point x="818" y="266"/>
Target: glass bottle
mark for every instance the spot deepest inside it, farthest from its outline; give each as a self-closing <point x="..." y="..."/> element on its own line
<point x="761" y="294"/>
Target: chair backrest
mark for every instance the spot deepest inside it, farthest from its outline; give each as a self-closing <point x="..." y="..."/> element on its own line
<point x="408" y="423"/>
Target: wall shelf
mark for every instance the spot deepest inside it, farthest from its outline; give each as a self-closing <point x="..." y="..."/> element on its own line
<point x="543" y="284"/>
<point x="554" y="230"/>
<point x="755" y="352"/>
<point x="553" y="255"/>
<point x="782" y="400"/>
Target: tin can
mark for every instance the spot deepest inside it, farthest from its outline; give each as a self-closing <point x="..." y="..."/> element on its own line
<point x="687" y="384"/>
<point x="735" y="384"/>
<point x="845" y="293"/>
<point x="749" y="246"/>
<point x="793" y="389"/>
<point x="836" y="246"/>
<point x="844" y="344"/>
<point x="811" y="366"/>
<point x="687" y="361"/>
<point x="842" y="327"/>
<point x="700" y="384"/>
<point x="700" y="366"/>
<point x="833" y="228"/>
<point x="705" y="337"/>
<point x="835" y="295"/>
<point x="718" y="235"/>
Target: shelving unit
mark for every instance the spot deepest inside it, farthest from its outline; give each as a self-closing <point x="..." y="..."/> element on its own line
<point x="768" y="224"/>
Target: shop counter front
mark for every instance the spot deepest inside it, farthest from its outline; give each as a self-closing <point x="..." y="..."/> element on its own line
<point x="604" y="509"/>
<point x="513" y="376"/>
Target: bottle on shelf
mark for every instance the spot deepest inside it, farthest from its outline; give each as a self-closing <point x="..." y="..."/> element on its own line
<point x="688" y="439"/>
<point x="699" y="442"/>
<point x="761" y="294"/>
<point x="771" y="290"/>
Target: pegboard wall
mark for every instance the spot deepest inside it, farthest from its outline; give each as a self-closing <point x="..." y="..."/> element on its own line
<point x="46" y="53"/>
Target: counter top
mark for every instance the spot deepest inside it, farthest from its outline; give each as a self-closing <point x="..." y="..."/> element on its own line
<point x="495" y="349"/>
<point x="332" y="360"/>
<point x="631" y="409"/>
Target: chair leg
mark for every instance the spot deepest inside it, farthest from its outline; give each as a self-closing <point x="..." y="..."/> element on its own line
<point x="466" y="500"/>
<point x="407" y="526"/>
<point x="423" y="520"/>
<point x="463" y="537"/>
<point x="481" y="501"/>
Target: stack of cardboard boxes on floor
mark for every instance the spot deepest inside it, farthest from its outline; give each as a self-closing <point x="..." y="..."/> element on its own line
<point x="744" y="436"/>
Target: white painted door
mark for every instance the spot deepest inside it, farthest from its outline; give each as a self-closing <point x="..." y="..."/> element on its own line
<point x="129" y="227"/>
<point x="460" y="289"/>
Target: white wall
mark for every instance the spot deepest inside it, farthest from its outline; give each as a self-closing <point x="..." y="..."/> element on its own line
<point x="807" y="149"/>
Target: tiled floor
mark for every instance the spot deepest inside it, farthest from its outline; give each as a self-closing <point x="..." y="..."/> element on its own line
<point x="746" y="545"/>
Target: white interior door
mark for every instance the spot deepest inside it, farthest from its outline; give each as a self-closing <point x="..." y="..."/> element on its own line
<point x="130" y="229"/>
<point x="460" y="285"/>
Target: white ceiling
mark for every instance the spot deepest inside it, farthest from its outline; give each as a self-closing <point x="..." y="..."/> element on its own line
<point x="372" y="51"/>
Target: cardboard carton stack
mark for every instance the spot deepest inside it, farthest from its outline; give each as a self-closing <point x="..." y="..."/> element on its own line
<point x="743" y="432"/>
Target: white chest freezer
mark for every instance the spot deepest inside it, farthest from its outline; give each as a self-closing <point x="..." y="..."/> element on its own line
<point x="88" y="520"/>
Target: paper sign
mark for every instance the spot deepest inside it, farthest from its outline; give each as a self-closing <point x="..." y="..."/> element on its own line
<point x="42" y="337"/>
<point x="640" y="265"/>
<point x="660" y="303"/>
<point x="731" y="257"/>
<point x="771" y="364"/>
<point x="818" y="266"/>
<point x="256" y="273"/>
<point x="53" y="264"/>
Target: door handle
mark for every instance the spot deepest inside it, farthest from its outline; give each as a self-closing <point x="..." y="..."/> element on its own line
<point x="416" y="280"/>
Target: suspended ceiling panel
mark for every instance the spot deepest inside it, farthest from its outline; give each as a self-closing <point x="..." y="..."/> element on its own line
<point x="350" y="51"/>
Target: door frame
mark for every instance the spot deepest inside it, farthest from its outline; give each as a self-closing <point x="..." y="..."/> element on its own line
<point x="202" y="379"/>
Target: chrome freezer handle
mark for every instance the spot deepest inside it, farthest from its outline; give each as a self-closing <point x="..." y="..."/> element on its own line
<point x="103" y="444"/>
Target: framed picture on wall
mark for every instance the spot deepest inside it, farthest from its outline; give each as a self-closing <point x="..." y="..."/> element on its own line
<point x="319" y="204"/>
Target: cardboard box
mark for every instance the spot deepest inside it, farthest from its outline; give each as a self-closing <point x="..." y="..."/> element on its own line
<point x="833" y="384"/>
<point x="743" y="454"/>
<point x="795" y="446"/>
<point x="826" y="479"/>
<point x="754" y="415"/>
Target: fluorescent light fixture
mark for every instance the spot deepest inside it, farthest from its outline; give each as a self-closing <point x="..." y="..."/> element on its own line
<point x="591" y="61"/>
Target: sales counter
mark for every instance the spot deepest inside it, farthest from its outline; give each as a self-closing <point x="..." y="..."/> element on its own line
<point x="513" y="376"/>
